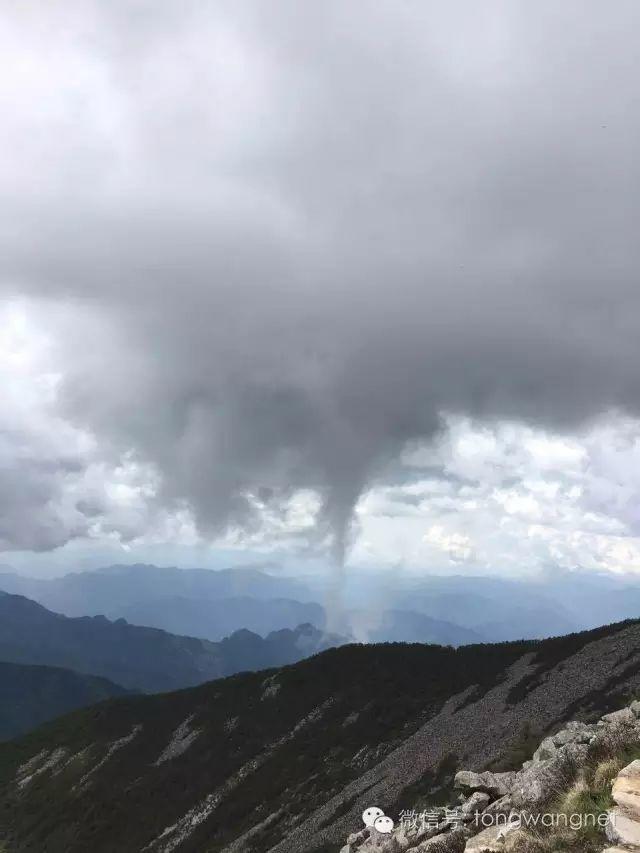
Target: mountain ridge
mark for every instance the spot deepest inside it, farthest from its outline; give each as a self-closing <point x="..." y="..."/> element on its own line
<point x="31" y="695"/>
<point x="287" y="759"/>
<point x="137" y="657"/>
<point x="213" y="604"/>
<point x="110" y="588"/>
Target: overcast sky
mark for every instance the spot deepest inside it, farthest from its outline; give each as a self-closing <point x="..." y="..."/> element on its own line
<point x="321" y="278"/>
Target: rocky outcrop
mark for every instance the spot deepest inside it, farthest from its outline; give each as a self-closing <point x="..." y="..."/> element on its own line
<point x="624" y="819"/>
<point x="489" y="816"/>
<point x="493" y="784"/>
<point x="477" y="802"/>
<point x="626" y="788"/>
<point x="623" y="829"/>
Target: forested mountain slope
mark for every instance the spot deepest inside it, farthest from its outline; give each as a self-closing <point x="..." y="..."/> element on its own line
<point x="286" y="760"/>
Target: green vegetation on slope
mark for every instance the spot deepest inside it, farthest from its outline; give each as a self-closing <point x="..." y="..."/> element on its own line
<point x="286" y="741"/>
<point x="386" y="691"/>
<point x="31" y="695"/>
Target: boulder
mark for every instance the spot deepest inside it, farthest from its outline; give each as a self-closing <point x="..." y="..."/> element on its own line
<point x="502" y="806"/>
<point x="358" y="837"/>
<point x="634" y="707"/>
<point x="383" y="842"/>
<point x="573" y="752"/>
<point x="614" y="739"/>
<point x="623" y="829"/>
<point x="477" y="802"/>
<point x="545" y="751"/>
<point x="624" y="717"/>
<point x="626" y="788"/>
<point x="574" y="732"/>
<point x="538" y="782"/>
<point x="426" y="832"/>
<point x="494" y="784"/>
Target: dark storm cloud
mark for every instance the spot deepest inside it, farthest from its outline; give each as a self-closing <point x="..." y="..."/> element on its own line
<point x="28" y="519"/>
<point x="283" y="239"/>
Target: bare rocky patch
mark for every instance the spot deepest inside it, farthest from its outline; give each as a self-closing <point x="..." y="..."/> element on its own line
<point x="117" y="745"/>
<point x="181" y="740"/>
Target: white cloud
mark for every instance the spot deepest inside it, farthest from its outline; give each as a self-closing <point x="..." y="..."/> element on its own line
<point x="507" y="497"/>
<point x="456" y="545"/>
<point x="57" y="483"/>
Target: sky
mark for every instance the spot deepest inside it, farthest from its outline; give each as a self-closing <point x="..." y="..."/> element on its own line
<point x="318" y="283"/>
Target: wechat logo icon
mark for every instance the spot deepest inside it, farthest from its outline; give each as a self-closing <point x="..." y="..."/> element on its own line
<point x="375" y="818"/>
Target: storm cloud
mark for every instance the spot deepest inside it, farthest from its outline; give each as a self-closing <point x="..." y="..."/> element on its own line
<point x="272" y="244"/>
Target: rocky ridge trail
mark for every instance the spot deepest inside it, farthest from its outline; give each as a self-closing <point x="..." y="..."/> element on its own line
<point x="505" y="812"/>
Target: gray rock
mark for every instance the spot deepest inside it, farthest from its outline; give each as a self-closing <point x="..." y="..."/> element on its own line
<point x="574" y="732"/>
<point x="494" y="784"/>
<point x="626" y="789"/>
<point x="502" y="806"/>
<point x="545" y="751"/>
<point x="562" y="737"/>
<point x="538" y="782"/>
<point x="572" y="752"/>
<point x="358" y="837"/>
<point x="477" y="802"/>
<point x="634" y="707"/>
<point x="622" y="717"/>
<point x="623" y="829"/>
<point x="426" y="832"/>
<point x="383" y="842"/>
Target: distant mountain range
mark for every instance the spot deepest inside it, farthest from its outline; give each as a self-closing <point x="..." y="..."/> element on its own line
<point x="451" y="610"/>
<point x="500" y="609"/>
<point x="110" y="591"/>
<point x="142" y="658"/>
<point x="214" y="619"/>
<point x="214" y="604"/>
<point x="287" y="760"/>
<point x="31" y="695"/>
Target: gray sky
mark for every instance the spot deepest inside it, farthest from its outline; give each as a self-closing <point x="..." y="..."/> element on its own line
<point x="265" y="264"/>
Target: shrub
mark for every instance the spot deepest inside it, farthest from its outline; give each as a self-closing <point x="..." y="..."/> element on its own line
<point x="605" y="772"/>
